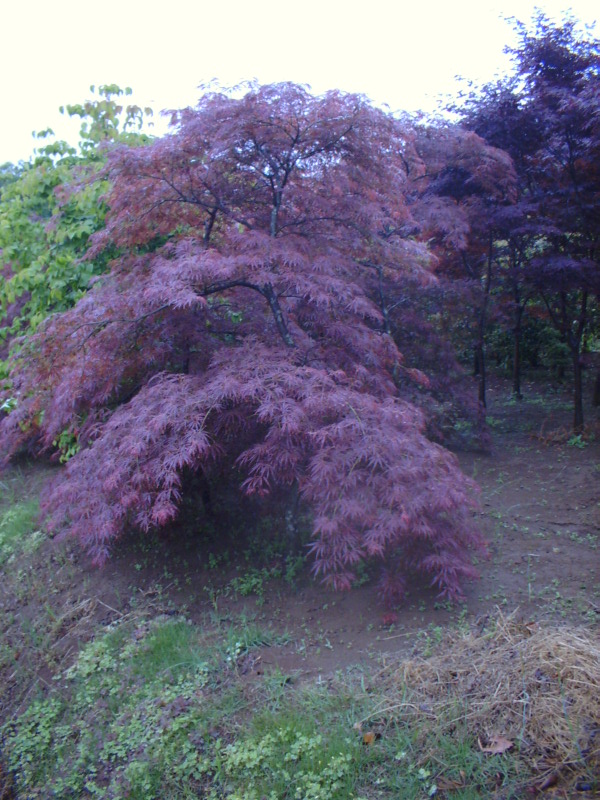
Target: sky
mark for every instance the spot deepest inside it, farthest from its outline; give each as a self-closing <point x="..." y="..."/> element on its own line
<point x="402" y="53"/>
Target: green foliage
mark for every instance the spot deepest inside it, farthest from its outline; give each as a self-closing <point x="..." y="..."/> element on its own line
<point x="540" y="343"/>
<point x="106" y="119"/>
<point x="68" y="445"/>
<point x="18" y="529"/>
<point x="251" y="582"/>
<point x="50" y="207"/>
<point x="239" y="641"/>
<point x="578" y="440"/>
<point x="8" y="405"/>
<point x="42" y="237"/>
<point x="129" y="716"/>
<point x="292" y="758"/>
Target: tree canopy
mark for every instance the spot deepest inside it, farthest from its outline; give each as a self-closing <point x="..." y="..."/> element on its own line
<point x="546" y="118"/>
<point x="245" y="326"/>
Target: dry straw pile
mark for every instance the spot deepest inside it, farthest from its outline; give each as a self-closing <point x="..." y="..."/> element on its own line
<point x="530" y="687"/>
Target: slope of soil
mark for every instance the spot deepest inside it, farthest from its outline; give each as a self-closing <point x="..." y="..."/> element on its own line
<point x="272" y="625"/>
<point x="539" y="510"/>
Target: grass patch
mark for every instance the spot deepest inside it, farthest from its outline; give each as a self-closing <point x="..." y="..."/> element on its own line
<point x="164" y="709"/>
<point x="288" y="754"/>
<point x="19" y="531"/>
<point x="131" y="717"/>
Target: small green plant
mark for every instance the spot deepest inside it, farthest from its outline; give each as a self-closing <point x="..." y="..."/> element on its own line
<point x="292" y="758"/>
<point x="216" y="560"/>
<point x="213" y="595"/>
<point x="577" y="440"/>
<point x="8" y="405"/>
<point x="18" y="529"/>
<point x="244" y="636"/>
<point x="252" y="582"/>
<point x="363" y="574"/>
<point x="429" y="639"/>
<point x="294" y="564"/>
<point x="68" y="445"/>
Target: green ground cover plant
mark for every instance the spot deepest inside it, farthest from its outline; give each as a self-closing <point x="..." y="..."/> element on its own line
<point x="19" y="530"/>
<point x="126" y="719"/>
<point x="160" y="708"/>
<point x="152" y="709"/>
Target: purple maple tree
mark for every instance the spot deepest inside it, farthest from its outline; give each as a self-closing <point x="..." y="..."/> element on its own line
<point x="246" y="324"/>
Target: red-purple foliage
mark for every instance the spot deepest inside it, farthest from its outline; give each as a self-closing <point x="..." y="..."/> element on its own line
<point x="247" y="323"/>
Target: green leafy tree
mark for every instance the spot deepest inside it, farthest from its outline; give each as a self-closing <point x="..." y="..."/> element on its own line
<point x="49" y="207"/>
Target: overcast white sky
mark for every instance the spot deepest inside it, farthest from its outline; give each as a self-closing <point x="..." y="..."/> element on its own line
<point x="404" y="53"/>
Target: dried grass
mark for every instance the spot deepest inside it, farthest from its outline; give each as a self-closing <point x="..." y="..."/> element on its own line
<point x="536" y="685"/>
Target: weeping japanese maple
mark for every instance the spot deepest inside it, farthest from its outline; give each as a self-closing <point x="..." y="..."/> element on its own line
<point x="245" y="323"/>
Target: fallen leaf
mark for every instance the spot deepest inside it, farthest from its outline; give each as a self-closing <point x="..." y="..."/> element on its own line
<point x="449" y="784"/>
<point x="498" y="744"/>
<point x="550" y="781"/>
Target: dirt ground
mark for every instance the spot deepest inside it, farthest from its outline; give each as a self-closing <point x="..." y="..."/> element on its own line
<point x="540" y="511"/>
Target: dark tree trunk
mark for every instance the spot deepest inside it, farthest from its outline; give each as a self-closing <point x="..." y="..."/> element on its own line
<point x="577" y="394"/>
<point x="517" y="367"/>
<point x="518" y="319"/>
<point x="534" y="358"/>
<point x="572" y="327"/>
<point x="480" y="347"/>
<point x="596" y="394"/>
<point x="480" y="373"/>
<point x="575" y="340"/>
<point x="207" y="501"/>
<point x="517" y="354"/>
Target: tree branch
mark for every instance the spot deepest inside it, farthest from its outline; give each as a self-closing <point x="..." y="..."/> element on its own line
<point x="267" y="292"/>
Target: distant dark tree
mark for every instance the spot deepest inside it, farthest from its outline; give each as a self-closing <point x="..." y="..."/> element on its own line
<point x="499" y="116"/>
<point x="547" y="118"/>
<point x="247" y="323"/>
<point x="429" y="325"/>
<point x="466" y="185"/>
